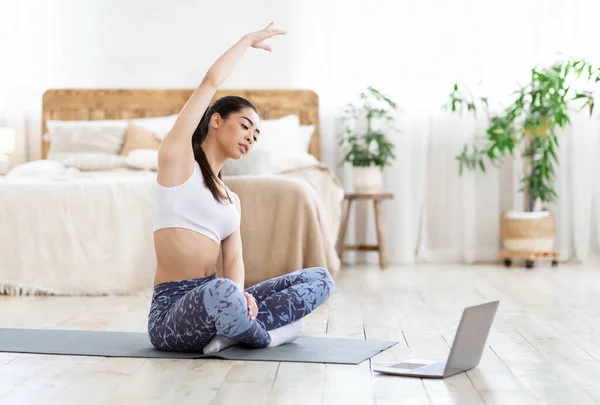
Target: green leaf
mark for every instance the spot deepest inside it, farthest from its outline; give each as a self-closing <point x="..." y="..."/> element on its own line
<point x="539" y="107"/>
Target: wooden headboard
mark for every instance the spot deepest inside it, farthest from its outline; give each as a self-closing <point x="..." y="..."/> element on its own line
<point x="99" y="104"/>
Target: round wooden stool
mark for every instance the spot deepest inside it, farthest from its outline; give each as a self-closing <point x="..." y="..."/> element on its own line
<point x="380" y="246"/>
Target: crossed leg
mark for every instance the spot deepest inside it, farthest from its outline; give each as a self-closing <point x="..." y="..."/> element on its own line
<point x="282" y="302"/>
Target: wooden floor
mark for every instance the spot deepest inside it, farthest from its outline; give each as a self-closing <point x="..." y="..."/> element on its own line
<point x="544" y="346"/>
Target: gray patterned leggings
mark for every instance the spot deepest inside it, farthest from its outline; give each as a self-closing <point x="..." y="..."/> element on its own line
<point x="185" y="315"/>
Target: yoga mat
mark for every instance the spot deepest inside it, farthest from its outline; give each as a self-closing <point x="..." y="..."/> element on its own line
<point x="134" y="344"/>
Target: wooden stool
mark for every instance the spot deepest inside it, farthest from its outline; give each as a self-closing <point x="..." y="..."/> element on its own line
<point x="376" y="198"/>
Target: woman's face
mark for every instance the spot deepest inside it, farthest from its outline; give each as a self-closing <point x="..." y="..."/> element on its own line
<point x="238" y="133"/>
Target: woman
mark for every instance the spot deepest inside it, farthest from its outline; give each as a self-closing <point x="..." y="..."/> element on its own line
<point x="197" y="215"/>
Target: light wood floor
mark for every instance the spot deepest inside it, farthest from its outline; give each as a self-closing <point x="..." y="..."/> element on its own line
<point x="544" y="346"/>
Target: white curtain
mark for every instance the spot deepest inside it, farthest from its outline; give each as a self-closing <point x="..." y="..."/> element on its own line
<point x="440" y="216"/>
<point x="414" y="51"/>
<point x="582" y="185"/>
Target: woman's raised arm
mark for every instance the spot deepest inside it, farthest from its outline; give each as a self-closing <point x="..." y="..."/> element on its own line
<point x="175" y="153"/>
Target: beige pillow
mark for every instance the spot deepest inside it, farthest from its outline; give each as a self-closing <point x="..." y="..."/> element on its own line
<point x="137" y="137"/>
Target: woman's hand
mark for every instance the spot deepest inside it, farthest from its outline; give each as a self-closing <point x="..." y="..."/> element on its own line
<point x="258" y="38"/>
<point x="252" y="306"/>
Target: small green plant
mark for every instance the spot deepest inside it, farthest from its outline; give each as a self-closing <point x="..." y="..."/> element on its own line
<point x="368" y="147"/>
<point x="531" y="121"/>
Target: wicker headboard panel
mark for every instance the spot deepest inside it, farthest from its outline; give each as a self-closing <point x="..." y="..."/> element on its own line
<point x="98" y="104"/>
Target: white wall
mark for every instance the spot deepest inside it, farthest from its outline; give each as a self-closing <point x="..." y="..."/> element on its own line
<point x="414" y="50"/>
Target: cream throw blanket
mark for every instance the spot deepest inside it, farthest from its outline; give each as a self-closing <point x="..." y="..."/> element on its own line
<point x="290" y="221"/>
<point x="93" y="234"/>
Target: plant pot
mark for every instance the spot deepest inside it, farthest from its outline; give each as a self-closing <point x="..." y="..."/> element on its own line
<point x="528" y="231"/>
<point x="368" y="179"/>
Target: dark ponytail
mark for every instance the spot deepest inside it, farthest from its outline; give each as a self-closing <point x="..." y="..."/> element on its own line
<point x="224" y="107"/>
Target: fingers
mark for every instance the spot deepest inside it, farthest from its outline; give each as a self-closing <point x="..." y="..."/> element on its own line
<point x="263" y="45"/>
<point x="273" y="31"/>
<point x="252" y="306"/>
<point x="255" y="310"/>
<point x="265" y="34"/>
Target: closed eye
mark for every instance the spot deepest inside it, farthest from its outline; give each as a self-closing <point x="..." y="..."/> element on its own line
<point x="246" y="128"/>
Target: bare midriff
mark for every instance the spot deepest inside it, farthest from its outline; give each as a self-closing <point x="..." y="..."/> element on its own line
<point x="182" y="254"/>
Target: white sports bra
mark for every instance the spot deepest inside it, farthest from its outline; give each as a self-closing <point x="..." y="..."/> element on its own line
<point x="191" y="205"/>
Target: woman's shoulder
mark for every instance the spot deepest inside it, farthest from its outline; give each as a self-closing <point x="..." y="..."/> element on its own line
<point x="236" y="199"/>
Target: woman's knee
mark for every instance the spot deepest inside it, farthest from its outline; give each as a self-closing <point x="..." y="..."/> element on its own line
<point x="220" y="292"/>
<point x="223" y="299"/>
<point x="222" y="287"/>
<point x="320" y="277"/>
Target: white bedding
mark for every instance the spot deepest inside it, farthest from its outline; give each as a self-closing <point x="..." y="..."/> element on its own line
<point x="91" y="232"/>
<point x="68" y="228"/>
<point x="76" y="233"/>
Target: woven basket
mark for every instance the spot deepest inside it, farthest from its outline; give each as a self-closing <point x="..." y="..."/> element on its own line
<point x="528" y="234"/>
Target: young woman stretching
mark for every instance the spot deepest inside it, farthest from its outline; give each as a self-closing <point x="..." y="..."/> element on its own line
<point x="197" y="215"/>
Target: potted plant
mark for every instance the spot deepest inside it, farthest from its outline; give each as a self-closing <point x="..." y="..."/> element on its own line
<point x="528" y="125"/>
<point x="364" y="140"/>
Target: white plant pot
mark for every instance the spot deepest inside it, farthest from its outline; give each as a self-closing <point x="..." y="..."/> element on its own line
<point x="528" y="231"/>
<point x="368" y="179"/>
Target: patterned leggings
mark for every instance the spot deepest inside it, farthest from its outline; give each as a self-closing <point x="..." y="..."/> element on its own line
<point x="185" y="315"/>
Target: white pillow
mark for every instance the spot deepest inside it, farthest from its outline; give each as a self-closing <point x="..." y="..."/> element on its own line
<point x="293" y="160"/>
<point x="159" y="125"/>
<point x="37" y="169"/>
<point x="145" y="159"/>
<point x="263" y="162"/>
<point x="147" y="122"/>
<point x="278" y="134"/>
<point x="68" y="137"/>
<point x="303" y="137"/>
<point x="277" y="137"/>
<point x="257" y="162"/>
<point x="285" y="134"/>
<point x="53" y="124"/>
<point x="94" y="161"/>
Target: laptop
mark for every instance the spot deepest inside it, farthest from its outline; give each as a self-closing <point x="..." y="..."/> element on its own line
<point x="467" y="348"/>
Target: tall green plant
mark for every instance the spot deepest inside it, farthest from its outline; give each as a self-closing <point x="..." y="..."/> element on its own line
<point x="371" y="146"/>
<point x="532" y="120"/>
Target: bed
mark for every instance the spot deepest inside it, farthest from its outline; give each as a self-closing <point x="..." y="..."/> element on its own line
<point x="87" y="230"/>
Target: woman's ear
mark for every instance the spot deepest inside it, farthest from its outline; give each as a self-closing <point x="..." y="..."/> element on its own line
<point x="215" y="120"/>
